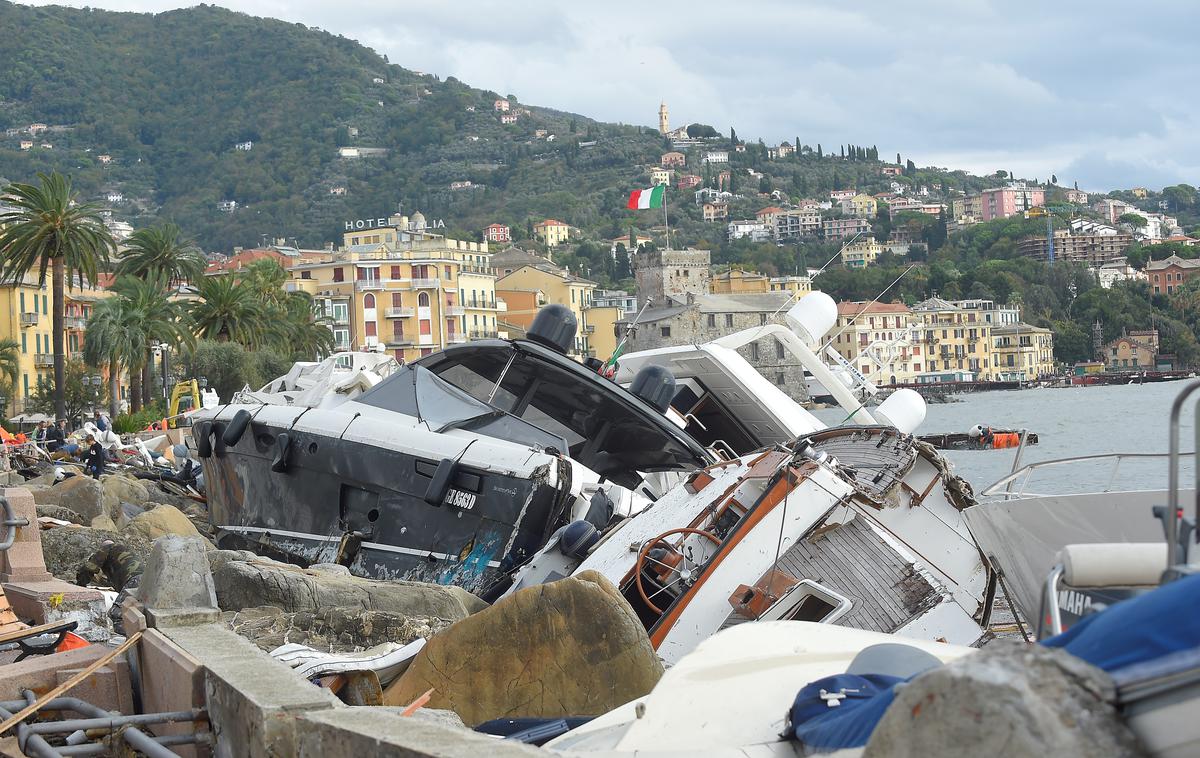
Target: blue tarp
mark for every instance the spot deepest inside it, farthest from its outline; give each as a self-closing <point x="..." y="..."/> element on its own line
<point x="1134" y="631"/>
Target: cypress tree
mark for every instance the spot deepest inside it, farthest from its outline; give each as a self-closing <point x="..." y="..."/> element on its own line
<point x="819" y="154"/>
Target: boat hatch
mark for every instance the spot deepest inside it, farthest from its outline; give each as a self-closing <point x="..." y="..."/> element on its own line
<point x="604" y="430"/>
<point x="808" y="601"/>
<point x="709" y="420"/>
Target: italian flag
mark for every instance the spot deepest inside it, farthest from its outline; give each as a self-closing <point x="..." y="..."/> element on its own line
<point x="647" y="198"/>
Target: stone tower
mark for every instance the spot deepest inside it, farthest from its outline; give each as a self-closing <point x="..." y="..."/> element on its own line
<point x="665" y="274"/>
<point x="664" y="123"/>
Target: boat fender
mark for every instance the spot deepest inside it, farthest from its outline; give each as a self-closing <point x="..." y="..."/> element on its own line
<point x="202" y="434"/>
<point x="435" y="493"/>
<point x="283" y="445"/>
<point x="218" y="430"/>
<point x="237" y="427"/>
<point x="577" y="539"/>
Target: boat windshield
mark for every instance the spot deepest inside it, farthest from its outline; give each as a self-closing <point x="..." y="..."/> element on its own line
<point x="603" y="431"/>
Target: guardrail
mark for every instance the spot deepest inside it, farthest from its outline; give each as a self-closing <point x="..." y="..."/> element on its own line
<point x="1024" y="473"/>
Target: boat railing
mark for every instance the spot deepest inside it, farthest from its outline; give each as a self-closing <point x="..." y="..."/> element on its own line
<point x="1012" y="487"/>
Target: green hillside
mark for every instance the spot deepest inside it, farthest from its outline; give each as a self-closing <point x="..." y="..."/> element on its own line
<point x="168" y="96"/>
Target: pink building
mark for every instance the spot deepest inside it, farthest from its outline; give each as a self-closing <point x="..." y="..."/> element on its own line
<point x="1009" y="201"/>
<point x="498" y="233"/>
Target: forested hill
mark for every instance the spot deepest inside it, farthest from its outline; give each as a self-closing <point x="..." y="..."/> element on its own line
<point x="168" y="96"/>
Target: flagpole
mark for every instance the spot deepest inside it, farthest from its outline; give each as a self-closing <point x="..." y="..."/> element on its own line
<point x="665" y="223"/>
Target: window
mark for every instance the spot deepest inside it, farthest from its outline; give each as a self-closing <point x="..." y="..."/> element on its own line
<point x="712" y="320"/>
<point x="341" y="312"/>
<point x="46" y="310"/>
<point x="370" y="327"/>
<point x="426" y="351"/>
<point x="779" y="378"/>
<point x="572" y="297"/>
<point x="779" y="350"/>
<point x="306" y="275"/>
<point x="24" y="342"/>
<point x="665" y="331"/>
<point x="339" y="275"/>
<point x="23" y="300"/>
<point x="396" y="272"/>
<point x="754" y="351"/>
<point x="341" y="338"/>
<point x="449" y="272"/>
<point x="762" y="319"/>
<point x="397" y="300"/>
<point x="728" y="319"/>
<point x="423" y="300"/>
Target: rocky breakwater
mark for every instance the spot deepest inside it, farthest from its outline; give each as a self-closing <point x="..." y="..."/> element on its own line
<point x="573" y="647"/>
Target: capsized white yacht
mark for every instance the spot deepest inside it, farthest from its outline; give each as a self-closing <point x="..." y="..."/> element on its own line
<point x="860" y="526"/>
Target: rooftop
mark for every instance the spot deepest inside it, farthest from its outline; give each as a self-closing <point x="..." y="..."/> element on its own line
<point x="854" y="307"/>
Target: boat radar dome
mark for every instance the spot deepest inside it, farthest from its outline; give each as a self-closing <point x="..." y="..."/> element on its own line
<point x="903" y="409"/>
<point x="655" y="385"/>
<point x="813" y="316"/>
<point x="554" y="326"/>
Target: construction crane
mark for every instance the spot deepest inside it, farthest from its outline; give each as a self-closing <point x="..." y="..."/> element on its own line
<point x="1065" y="212"/>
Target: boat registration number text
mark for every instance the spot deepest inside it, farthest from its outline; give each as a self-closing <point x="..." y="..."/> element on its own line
<point x="459" y="499"/>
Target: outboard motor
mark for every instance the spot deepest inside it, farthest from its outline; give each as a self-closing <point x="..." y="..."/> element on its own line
<point x="655" y="385"/>
<point x="554" y="326"/>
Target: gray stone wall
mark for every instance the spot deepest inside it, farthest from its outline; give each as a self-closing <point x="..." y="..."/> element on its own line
<point x="693" y="326"/>
<point x="661" y="274"/>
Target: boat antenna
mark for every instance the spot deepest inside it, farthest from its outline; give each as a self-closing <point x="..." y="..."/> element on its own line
<point x="612" y="360"/>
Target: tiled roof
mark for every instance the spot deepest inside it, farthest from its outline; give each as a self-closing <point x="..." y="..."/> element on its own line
<point x="853" y="307"/>
<point x="1174" y="260"/>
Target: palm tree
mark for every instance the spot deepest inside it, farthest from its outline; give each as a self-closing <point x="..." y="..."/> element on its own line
<point x="161" y="251"/>
<point x="228" y="310"/>
<point x="10" y="366"/>
<point x="46" y="229"/>
<point x="301" y="329"/>
<point x="161" y="320"/>
<point x="114" y="337"/>
<point x="266" y="278"/>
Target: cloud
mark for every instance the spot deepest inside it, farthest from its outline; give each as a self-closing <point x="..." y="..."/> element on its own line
<point x="1101" y="95"/>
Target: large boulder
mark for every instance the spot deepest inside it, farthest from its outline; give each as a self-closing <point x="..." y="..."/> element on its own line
<point x="568" y="648"/>
<point x="81" y="494"/>
<point x="244" y="580"/>
<point x="336" y="629"/>
<point x="62" y="514"/>
<point x="160" y="521"/>
<point x="1008" y="699"/>
<point x="65" y="548"/>
<point x="119" y="489"/>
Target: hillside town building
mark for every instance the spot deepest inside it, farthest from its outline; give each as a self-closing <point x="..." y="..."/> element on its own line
<point x="1170" y="274"/>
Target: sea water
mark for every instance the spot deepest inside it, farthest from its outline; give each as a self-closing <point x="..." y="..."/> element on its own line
<point x="1069" y="421"/>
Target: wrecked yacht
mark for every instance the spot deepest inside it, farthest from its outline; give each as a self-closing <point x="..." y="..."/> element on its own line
<point x="451" y="469"/>
<point x="861" y="526"/>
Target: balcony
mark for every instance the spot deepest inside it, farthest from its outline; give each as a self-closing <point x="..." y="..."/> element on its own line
<point x="74" y="322"/>
<point x="399" y="340"/>
<point x="455" y="310"/>
<point x="424" y="284"/>
<point x="484" y="334"/>
<point x="363" y="285"/>
<point x="42" y="360"/>
<point x="399" y="312"/>
<point x="29" y="319"/>
<point x="455" y="339"/>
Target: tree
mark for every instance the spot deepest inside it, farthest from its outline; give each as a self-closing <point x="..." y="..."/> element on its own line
<point x="160" y="321"/>
<point x="163" y="252"/>
<point x="733" y="136"/>
<point x="1132" y="220"/>
<point x="228" y="311"/>
<point x="114" y="338"/>
<point x="819" y="153"/>
<point x="46" y="229"/>
<point x="1054" y="178"/>
<point x="10" y="366"/>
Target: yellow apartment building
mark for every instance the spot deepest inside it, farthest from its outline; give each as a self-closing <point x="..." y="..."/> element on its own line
<point x="26" y="318"/>
<point x="954" y="338"/>
<point x="736" y="282"/>
<point x="403" y="290"/>
<point x="797" y="285"/>
<point x="878" y="339"/>
<point x="1022" y="352"/>
<point x="552" y="232"/>
<point x="861" y="206"/>
<point x="862" y="253"/>
<point x="551" y="284"/>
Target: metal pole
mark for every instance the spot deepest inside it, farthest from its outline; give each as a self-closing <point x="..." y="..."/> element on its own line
<point x="1173" y="474"/>
<point x="116" y="721"/>
<point x="140" y="741"/>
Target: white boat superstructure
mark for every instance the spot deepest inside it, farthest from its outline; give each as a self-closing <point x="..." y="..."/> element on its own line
<point x="325" y="384"/>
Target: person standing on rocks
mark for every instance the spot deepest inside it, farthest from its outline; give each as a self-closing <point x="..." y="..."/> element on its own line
<point x="101" y="421"/>
<point x="94" y="462"/>
<point x="55" y="436"/>
<point x="121" y="569"/>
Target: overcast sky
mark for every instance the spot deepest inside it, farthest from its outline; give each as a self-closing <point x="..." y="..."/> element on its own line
<point x="1102" y="93"/>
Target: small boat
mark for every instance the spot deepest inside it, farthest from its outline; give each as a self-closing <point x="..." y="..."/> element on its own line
<point x="999" y="439"/>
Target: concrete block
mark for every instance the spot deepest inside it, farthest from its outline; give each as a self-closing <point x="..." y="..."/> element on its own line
<point x="108" y="688"/>
<point x="23" y="562"/>
<point x="55" y="600"/>
<point x="252" y="699"/>
<point x="177" y="586"/>
<point x="354" y="732"/>
<point x="171" y="680"/>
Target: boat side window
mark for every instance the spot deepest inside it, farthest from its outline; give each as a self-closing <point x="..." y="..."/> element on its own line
<point x="475" y="372"/>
